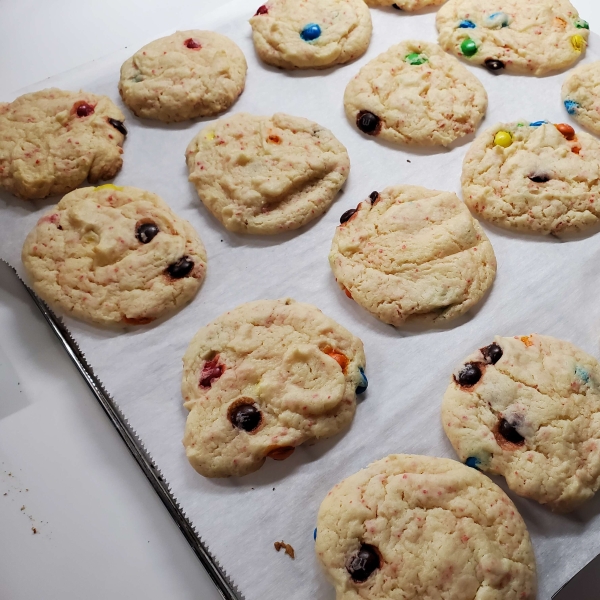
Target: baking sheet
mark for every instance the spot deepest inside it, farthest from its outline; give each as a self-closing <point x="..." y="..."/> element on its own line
<point x="543" y="285"/>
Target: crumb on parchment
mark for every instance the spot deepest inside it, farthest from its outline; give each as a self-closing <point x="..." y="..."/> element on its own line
<point x="288" y="549"/>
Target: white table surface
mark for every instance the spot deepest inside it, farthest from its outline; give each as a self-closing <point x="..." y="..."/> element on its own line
<point x="101" y="530"/>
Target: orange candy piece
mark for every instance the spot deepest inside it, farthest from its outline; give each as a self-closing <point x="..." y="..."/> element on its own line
<point x="566" y="130"/>
<point x="340" y="359"/>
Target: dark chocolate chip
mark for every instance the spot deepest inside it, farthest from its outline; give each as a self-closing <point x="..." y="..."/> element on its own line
<point x="59" y="227"/>
<point x="146" y="232"/>
<point x="492" y="353"/>
<point x="494" y="65"/>
<point x="368" y="123"/>
<point x="245" y="416"/>
<point x="118" y="125"/>
<point x="540" y="178"/>
<point x="374" y="196"/>
<point x="182" y="268"/>
<point x="396" y="7"/>
<point x="363" y="563"/>
<point x="509" y="433"/>
<point x="347" y="215"/>
<point x="469" y="375"/>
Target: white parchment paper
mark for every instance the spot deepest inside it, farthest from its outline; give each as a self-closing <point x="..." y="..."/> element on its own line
<point x="543" y="285"/>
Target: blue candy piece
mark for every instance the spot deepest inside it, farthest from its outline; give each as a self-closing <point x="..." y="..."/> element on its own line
<point x="572" y="106"/>
<point x="582" y="373"/>
<point x="538" y="123"/>
<point x="497" y="20"/>
<point x="315" y="534"/>
<point x="310" y="32"/>
<point x="473" y="462"/>
<point x="466" y="25"/>
<point x="364" y="382"/>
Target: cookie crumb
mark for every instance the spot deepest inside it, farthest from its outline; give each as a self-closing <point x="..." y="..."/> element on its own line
<point x="23" y="507"/>
<point x="407" y="160"/>
<point x="288" y="549"/>
<point x="34" y="530"/>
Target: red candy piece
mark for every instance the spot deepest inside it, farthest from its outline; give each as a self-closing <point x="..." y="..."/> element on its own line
<point x="83" y="109"/>
<point x="192" y="44"/>
<point x="211" y="371"/>
<point x="263" y="10"/>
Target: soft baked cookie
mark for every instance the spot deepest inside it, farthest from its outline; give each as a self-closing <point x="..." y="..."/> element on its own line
<point x="528" y="408"/>
<point x="409" y="253"/>
<point x="407" y="5"/>
<point x="422" y="528"/>
<point x="262" y="379"/>
<point x="581" y="95"/>
<point x="536" y="177"/>
<point x="415" y="93"/>
<point x="52" y="141"/>
<point x="114" y="255"/>
<point x="183" y="76"/>
<point x="266" y="174"/>
<point x="311" y="34"/>
<point x="533" y="37"/>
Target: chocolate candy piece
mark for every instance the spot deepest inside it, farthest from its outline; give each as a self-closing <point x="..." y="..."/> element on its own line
<point x="363" y="563"/>
<point x="566" y="130"/>
<point x="368" y="123"/>
<point x="211" y="371"/>
<point x="262" y="10"/>
<point x="396" y="7"/>
<point x="492" y="353"/>
<point x="245" y="416"/>
<point x="473" y="462"/>
<point x="364" y="382"/>
<point x="493" y="64"/>
<point x="468" y="47"/>
<point x="84" y="109"/>
<point x="315" y="534"/>
<point x="374" y="196"/>
<point x="182" y="268"/>
<point x="578" y="43"/>
<point x="192" y="44"/>
<point x="146" y="232"/>
<point x="581" y="24"/>
<point x="466" y="24"/>
<point x="503" y="138"/>
<point x="509" y="433"/>
<point x="469" y="375"/>
<point x="538" y="123"/>
<point x="497" y="20"/>
<point x="414" y="58"/>
<point x="310" y="32"/>
<point x="347" y="215"/>
<point x="118" y="125"/>
<point x="543" y="178"/>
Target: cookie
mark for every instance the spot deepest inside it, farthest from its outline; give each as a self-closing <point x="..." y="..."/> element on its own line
<point x="532" y="38"/>
<point x="52" y="141"/>
<point x="414" y="93"/>
<point x="581" y="95"/>
<point x="266" y="174"/>
<point x="114" y="255"/>
<point x="412" y="254"/>
<point x="311" y="34"/>
<point x="183" y="76"/>
<point x="423" y="528"/>
<point x="535" y="177"/>
<point x="264" y="378"/>
<point x="528" y="408"/>
<point x="407" y="5"/>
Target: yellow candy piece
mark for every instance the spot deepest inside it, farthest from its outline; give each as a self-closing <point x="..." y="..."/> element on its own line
<point x="578" y="43"/>
<point x="108" y="186"/>
<point x="503" y="138"/>
<point x="526" y="339"/>
<point x="210" y="135"/>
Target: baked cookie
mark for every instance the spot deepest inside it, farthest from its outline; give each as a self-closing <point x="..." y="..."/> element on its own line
<point x="183" y="76"/>
<point x="407" y="5"/>
<point x="533" y="37"/>
<point x="528" y="408"/>
<point x="412" y="254"/>
<point x="114" y="255"/>
<point x="311" y="34"/>
<point x="581" y="95"/>
<point x="266" y="174"/>
<point x="423" y="528"/>
<point x="536" y="177"/>
<point x="52" y="141"/>
<point x="414" y="93"/>
<point x="264" y="378"/>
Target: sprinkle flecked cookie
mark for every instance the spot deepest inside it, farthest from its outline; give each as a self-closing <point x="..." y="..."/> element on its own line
<point x="581" y="95"/>
<point x="414" y="93"/>
<point x="114" y="255"/>
<point x="407" y="5"/>
<point x="536" y="177"/>
<point x="266" y="175"/>
<point x="264" y="378"/>
<point x="412" y="254"/>
<point x="532" y="37"/>
<point x="52" y="141"/>
<point x="311" y="34"/>
<point x="183" y="76"/>
<point x="528" y="408"/>
<point x="421" y="528"/>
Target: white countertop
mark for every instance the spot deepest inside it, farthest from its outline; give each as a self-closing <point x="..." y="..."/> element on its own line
<point x="101" y="530"/>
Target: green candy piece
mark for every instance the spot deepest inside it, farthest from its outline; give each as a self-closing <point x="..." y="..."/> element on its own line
<point x="581" y="24"/>
<point x="415" y="59"/>
<point x="468" y="47"/>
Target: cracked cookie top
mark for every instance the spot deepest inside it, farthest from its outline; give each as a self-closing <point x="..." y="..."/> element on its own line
<point x="528" y="408"/>
<point x="422" y="528"/>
